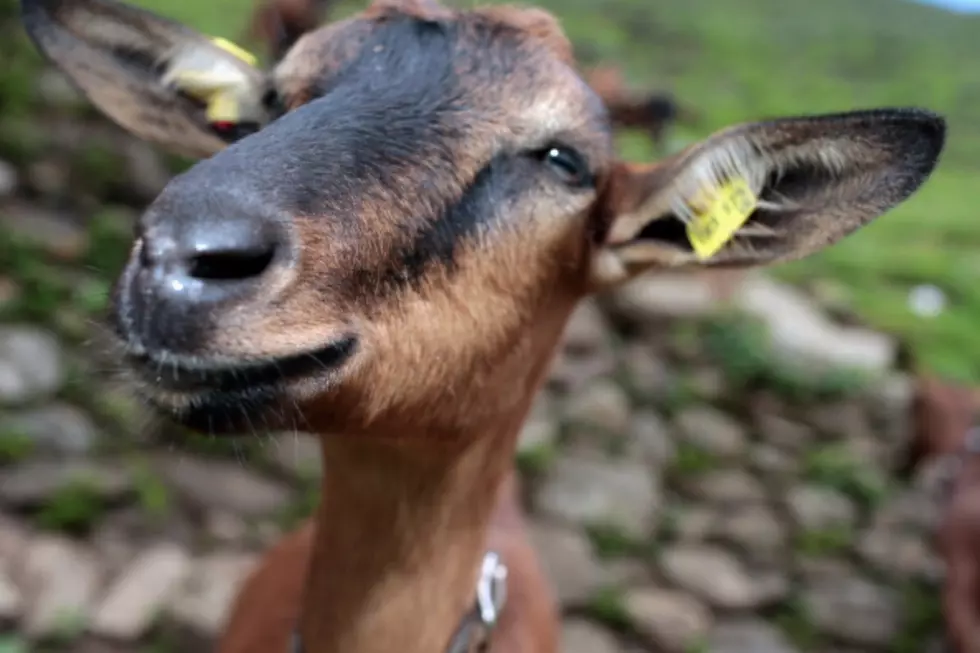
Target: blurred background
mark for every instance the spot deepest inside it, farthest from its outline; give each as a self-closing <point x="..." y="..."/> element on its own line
<point x="713" y="464"/>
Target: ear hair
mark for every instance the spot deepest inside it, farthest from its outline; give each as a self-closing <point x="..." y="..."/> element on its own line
<point x="733" y="153"/>
<point x="764" y="192"/>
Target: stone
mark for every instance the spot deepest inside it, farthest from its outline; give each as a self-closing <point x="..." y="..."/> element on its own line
<point x="148" y="173"/>
<point x="909" y="510"/>
<point x="646" y="374"/>
<point x="854" y="610"/>
<point x="31" y="365"/>
<point x="900" y="555"/>
<point x="581" y="636"/>
<point x="726" y="487"/>
<point x="204" y="600"/>
<point x="64" y="579"/>
<point x="587" y="331"/>
<point x="672" y="620"/>
<point x="57" y="234"/>
<point x="568" y="562"/>
<point x="891" y="396"/>
<point x="747" y="635"/>
<point x="711" y="431"/>
<point x="571" y="373"/>
<point x="771" y="587"/>
<point x="602" y="406"/>
<point x="694" y="523"/>
<point x="783" y="433"/>
<point x="14" y="540"/>
<point x="657" y="296"/>
<point x="756" y="529"/>
<point x="55" y="90"/>
<point x="33" y="483"/>
<point x="11" y="600"/>
<point x="707" y="383"/>
<point x="801" y="334"/>
<point x="650" y="440"/>
<point x="113" y="538"/>
<point x="297" y="454"/>
<point x="10" y="291"/>
<point x="844" y="420"/>
<point x="584" y="490"/>
<point x="625" y="572"/>
<point x="226" y="527"/>
<point x="49" y="176"/>
<point x="225" y="486"/>
<point x="134" y="600"/>
<point x="815" y="508"/>
<point x="712" y="574"/>
<point x="773" y="465"/>
<point x="823" y="569"/>
<point x="540" y="431"/>
<point x="57" y="427"/>
<point x="8" y="179"/>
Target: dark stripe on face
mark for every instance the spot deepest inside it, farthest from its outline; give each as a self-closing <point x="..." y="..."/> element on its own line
<point x="482" y="203"/>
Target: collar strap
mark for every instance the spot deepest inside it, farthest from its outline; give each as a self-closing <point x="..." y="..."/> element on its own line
<point x="474" y="631"/>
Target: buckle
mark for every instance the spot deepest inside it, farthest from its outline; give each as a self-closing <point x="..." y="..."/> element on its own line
<point x="491" y="591"/>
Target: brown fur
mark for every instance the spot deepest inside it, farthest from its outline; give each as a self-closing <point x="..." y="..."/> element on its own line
<point x="942" y="413"/>
<point x="441" y="193"/>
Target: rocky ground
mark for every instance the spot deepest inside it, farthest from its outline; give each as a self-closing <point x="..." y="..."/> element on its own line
<point x="698" y="479"/>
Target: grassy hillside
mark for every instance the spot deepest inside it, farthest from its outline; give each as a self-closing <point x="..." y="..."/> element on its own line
<point x="769" y="57"/>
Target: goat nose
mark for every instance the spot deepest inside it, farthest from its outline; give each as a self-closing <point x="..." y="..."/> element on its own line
<point x="203" y="260"/>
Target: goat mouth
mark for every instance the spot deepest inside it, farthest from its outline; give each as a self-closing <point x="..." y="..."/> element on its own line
<point x="170" y="374"/>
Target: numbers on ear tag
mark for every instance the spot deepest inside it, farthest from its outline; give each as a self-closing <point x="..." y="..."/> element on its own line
<point x="719" y="212"/>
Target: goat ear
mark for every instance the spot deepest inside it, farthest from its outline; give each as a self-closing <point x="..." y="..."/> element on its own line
<point x="763" y="192"/>
<point x="139" y="68"/>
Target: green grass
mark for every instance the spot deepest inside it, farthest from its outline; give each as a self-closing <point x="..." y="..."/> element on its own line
<point x="14" y="445"/>
<point x="833" y="466"/>
<point x="608" y="606"/>
<point x="536" y="460"/>
<point x="824" y="542"/>
<point x="12" y="644"/>
<point x="769" y="57"/>
<point x="691" y="460"/>
<point x="73" y="508"/>
<point x="152" y="492"/>
<point x="793" y="619"/>
<point x="610" y="542"/>
<point x="922" y="619"/>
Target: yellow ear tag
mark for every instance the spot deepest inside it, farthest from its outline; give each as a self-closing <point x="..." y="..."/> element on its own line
<point x="234" y="50"/>
<point x="718" y="213"/>
<point x="223" y="107"/>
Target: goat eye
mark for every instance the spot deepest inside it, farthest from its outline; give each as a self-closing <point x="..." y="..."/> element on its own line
<point x="567" y="164"/>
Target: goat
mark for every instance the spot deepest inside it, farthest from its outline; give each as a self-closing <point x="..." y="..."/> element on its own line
<point x="945" y="419"/>
<point x="389" y="262"/>
<point x="651" y="112"/>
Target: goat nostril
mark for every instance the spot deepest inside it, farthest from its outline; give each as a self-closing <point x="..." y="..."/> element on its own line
<point x="230" y="265"/>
